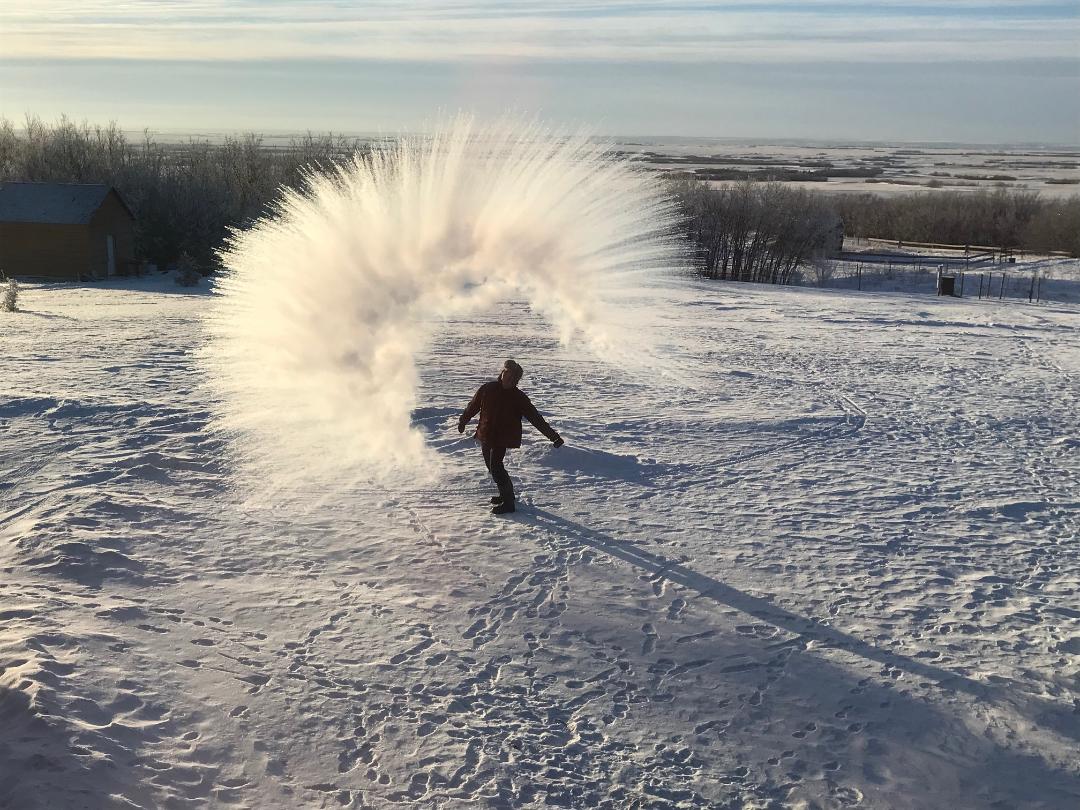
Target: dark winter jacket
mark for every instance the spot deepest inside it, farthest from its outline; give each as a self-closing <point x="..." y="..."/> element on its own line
<point x="501" y="411"/>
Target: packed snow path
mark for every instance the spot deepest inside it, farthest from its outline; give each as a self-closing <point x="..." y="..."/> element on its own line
<point x="837" y="567"/>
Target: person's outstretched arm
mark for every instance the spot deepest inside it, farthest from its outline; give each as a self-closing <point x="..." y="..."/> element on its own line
<point x="471" y="410"/>
<point x="537" y="421"/>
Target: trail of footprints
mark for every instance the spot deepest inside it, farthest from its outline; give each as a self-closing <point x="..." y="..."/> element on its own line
<point x="487" y="715"/>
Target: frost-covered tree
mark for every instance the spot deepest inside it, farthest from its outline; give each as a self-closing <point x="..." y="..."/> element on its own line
<point x="763" y="232"/>
<point x="9" y="302"/>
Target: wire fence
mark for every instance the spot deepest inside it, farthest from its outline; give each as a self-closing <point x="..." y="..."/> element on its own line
<point x="1037" y="282"/>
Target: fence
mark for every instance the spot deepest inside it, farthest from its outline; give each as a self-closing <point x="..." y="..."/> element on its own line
<point x="1018" y="285"/>
<point x="981" y="252"/>
<point x="913" y="274"/>
<point x="1000" y="254"/>
<point x="966" y="262"/>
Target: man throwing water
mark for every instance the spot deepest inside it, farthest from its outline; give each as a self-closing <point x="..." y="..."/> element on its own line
<point x="501" y="405"/>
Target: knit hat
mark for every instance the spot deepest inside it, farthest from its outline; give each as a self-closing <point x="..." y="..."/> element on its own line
<point x="515" y="370"/>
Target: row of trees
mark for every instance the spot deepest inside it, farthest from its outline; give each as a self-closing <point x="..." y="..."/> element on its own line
<point x="994" y="218"/>
<point x="186" y="196"/>
<point x="770" y="232"/>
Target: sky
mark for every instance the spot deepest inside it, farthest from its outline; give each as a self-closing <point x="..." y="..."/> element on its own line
<point x="977" y="71"/>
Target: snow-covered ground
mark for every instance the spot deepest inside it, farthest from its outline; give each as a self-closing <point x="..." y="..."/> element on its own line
<point x="837" y="566"/>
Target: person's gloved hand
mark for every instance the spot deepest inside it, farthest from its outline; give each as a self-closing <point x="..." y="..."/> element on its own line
<point x="558" y="442"/>
<point x="460" y="425"/>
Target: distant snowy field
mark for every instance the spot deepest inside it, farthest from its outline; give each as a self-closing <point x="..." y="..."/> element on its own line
<point x="838" y="567"/>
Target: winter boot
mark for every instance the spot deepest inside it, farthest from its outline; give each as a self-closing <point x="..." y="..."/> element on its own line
<point x="496" y="500"/>
<point x="504" y="508"/>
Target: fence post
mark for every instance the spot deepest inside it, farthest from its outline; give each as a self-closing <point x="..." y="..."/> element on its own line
<point x="962" y="274"/>
<point x="1031" y="290"/>
<point x="1001" y="292"/>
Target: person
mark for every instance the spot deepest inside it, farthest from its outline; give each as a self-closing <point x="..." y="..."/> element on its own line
<point x="501" y="405"/>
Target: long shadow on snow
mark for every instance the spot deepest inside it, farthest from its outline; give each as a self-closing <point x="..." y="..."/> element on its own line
<point x="577" y="460"/>
<point x="49" y="316"/>
<point x="901" y="754"/>
<point x="152" y="283"/>
<point x="709" y="588"/>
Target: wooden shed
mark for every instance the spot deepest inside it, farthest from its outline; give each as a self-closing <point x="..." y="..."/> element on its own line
<point x="68" y="231"/>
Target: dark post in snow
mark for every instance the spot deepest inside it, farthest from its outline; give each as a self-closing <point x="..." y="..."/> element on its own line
<point x="1031" y="290"/>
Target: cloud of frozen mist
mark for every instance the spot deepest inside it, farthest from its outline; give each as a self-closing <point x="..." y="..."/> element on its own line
<point x="325" y="305"/>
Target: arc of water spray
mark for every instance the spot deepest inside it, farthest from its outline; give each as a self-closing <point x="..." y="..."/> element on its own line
<point x="325" y="304"/>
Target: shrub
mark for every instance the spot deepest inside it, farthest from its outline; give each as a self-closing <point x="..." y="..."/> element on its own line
<point x="187" y="271"/>
<point x="822" y="268"/>
<point x="9" y="302"/>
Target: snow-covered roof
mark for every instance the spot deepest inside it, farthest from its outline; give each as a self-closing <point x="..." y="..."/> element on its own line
<point x="51" y="203"/>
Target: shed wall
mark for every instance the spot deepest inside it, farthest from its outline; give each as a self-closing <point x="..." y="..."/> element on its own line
<point x="113" y="218"/>
<point x="47" y="251"/>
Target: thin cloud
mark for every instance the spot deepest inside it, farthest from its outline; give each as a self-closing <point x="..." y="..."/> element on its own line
<point x="750" y="30"/>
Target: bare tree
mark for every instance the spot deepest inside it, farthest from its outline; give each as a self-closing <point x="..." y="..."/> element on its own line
<point x="751" y="231"/>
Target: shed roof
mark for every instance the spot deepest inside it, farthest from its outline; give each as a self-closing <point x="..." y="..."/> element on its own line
<point x="52" y="203"/>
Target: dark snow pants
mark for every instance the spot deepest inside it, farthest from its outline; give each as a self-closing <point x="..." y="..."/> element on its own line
<point x="493" y="460"/>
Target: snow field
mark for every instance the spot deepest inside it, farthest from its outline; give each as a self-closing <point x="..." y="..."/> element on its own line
<point x="834" y="564"/>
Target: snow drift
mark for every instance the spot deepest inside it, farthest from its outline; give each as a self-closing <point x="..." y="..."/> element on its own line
<point x="325" y="304"/>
